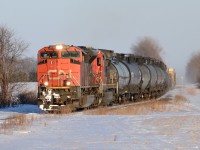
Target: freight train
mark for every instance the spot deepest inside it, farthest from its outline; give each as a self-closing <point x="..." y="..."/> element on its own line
<point x="85" y="77"/>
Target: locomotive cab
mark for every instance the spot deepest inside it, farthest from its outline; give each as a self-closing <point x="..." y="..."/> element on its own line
<point x="69" y="75"/>
<point x="58" y="75"/>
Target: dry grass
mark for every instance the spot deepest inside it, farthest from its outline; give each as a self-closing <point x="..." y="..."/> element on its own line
<point x="162" y="105"/>
<point x="192" y="91"/>
<point x="180" y="100"/>
<point x="142" y="108"/>
<point x="100" y="111"/>
<point x="16" y="122"/>
<point x="62" y="110"/>
<point x="65" y="110"/>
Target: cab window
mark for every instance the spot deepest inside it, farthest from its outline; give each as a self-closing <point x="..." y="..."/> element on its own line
<point x="98" y="61"/>
<point x="70" y="54"/>
<point x="49" y="55"/>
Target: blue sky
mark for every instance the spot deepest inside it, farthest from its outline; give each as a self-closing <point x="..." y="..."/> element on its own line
<point x="110" y="24"/>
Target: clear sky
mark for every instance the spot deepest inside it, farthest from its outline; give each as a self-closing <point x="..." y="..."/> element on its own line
<point x="110" y="24"/>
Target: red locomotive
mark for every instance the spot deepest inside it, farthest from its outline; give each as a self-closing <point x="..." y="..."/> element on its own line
<point x="81" y="77"/>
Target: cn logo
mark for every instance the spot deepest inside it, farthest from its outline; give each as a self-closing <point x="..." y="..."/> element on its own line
<point x="60" y="72"/>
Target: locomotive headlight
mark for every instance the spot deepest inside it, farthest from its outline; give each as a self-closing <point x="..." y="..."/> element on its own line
<point x="68" y="83"/>
<point x="59" y="47"/>
<point x="46" y="83"/>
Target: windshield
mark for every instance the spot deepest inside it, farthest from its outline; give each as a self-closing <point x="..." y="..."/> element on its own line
<point x="49" y="55"/>
<point x="70" y="54"/>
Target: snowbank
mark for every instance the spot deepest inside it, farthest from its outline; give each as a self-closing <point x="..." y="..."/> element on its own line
<point x="159" y="130"/>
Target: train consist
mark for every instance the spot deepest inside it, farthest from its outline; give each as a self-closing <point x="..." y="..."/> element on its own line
<point x="84" y="77"/>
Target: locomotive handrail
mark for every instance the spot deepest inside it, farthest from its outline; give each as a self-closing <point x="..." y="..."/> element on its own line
<point x="58" y="87"/>
<point x="42" y="77"/>
<point x="76" y="80"/>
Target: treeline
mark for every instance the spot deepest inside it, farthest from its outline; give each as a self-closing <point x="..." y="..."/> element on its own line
<point x="193" y="68"/>
<point x="26" y="70"/>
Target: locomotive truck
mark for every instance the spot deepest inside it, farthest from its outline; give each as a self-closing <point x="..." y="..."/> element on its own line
<point x="85" y="77"/>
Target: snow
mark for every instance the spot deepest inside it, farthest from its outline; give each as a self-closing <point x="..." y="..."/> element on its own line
<point x="158" y="130"/>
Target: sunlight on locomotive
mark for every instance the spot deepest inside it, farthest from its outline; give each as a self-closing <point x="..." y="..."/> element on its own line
<point x="46" y="83"/>
<point x="59" y="47"/>
<point x="68" y="83"/>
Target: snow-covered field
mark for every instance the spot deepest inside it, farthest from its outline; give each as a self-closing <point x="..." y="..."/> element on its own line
<point x="177" y="128"/>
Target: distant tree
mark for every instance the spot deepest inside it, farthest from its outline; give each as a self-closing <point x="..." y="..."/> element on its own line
<point x="33" y="75"/>
<point x="147" y="47"/>
<point x="33" y="70"/>
<point x="193" y="68"/>
<point x="11" y="49"/>
<point x="29" y="66"/>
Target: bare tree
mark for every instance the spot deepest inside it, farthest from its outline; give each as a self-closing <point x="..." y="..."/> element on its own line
<point x="147" y="47"/>
<point x="193" y="68"/>
<point x="28" y="66"/>
<point x="11" y="49"/>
